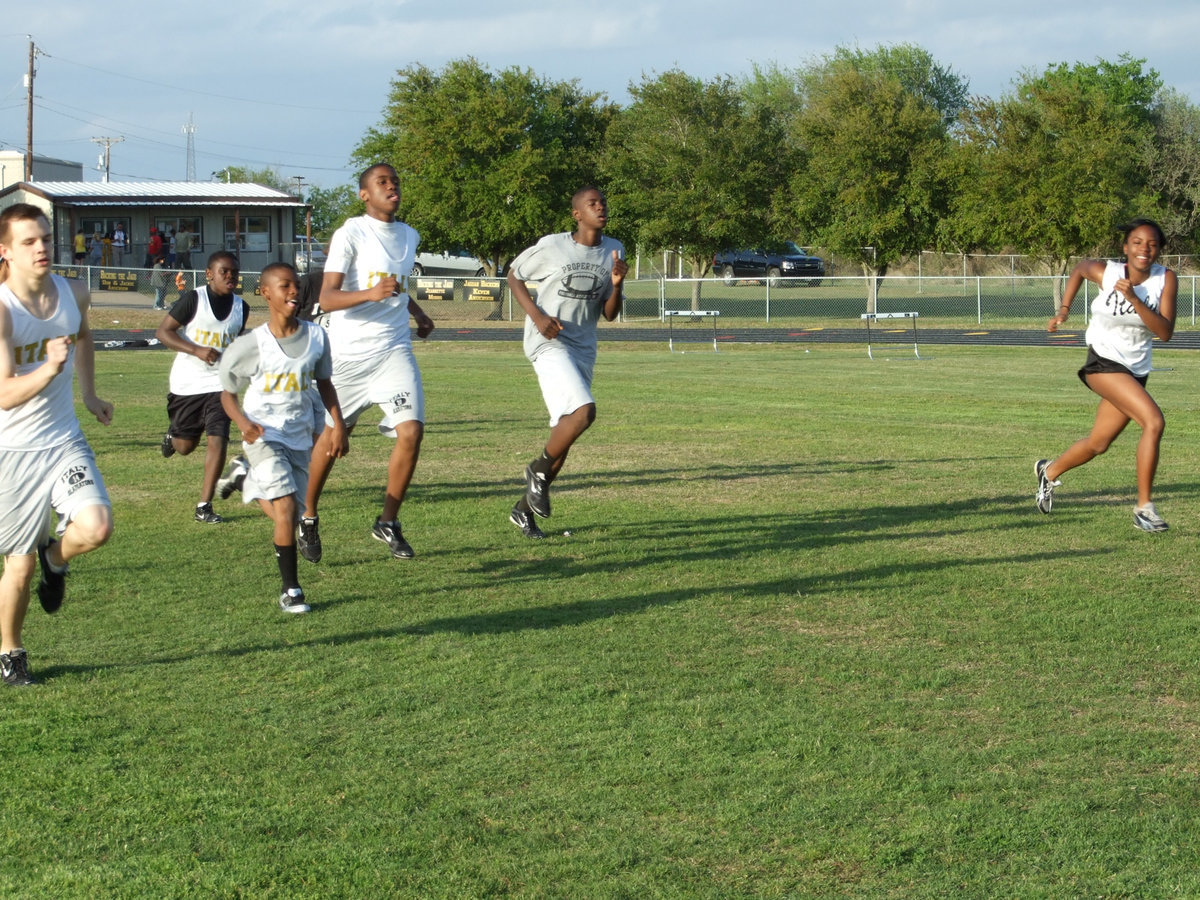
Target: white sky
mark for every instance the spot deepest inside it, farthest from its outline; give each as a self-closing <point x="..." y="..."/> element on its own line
<point x="294" y="84"/>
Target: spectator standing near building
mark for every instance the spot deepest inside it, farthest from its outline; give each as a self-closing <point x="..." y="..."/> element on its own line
<point x="45" y="461"/>
<point x="368" y="264"/>
<point x="118" y="244"/>
<point x="183" y="248"/>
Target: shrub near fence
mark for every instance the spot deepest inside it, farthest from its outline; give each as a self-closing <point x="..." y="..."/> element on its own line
<point x="1014" y="301"/>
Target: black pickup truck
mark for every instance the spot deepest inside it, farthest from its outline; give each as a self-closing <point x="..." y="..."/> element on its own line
<point x="784" y="261"/>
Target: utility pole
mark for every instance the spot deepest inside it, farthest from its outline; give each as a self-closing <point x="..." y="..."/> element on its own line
<point x="190" y="130"/>
<point x="299" y="179"/>
<point x="29" y="114"/>
<point x="106" y="156"/>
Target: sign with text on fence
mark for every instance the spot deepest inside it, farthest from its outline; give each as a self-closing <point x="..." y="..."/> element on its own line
<point x="118" y="280"/>
<point x="486" y="290"/>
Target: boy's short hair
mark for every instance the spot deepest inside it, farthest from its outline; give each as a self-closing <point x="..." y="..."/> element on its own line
<point x="222" y="254"/>
<point x="271" y="268"/>
<point x="18" y="212"/>
<point x="362" y="179"/>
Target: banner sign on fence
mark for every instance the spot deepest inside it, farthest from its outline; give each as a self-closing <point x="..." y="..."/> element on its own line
<point x="485" y="290"/>
<point x="434" y="289"/>
<point x="118" y="280"/>
<point x="72" y="272"/>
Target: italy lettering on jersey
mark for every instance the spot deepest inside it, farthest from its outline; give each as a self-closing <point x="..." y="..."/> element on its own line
<point x="48" y="418"/>
<point x="286" y="382"/>
<point x="277" y="397"/>
<point x="35" y="352"/>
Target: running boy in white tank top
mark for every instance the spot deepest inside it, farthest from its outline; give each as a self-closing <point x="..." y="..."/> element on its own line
<point x="45" y="462"/>
<point x="276" y="364"/>
<point x="200" y="325"/>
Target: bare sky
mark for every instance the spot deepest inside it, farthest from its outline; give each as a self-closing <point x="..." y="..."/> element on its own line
<point x="294" y="84"/>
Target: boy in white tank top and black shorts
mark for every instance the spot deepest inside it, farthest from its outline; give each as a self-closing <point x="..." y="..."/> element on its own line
<point x="199" y="326"/>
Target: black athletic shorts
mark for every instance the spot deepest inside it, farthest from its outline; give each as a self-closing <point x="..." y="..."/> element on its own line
<point x="196" y="414"/>
<point x="1095" y="365"/>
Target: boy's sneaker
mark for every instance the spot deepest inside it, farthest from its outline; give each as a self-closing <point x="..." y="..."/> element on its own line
<point x="53" y="585"/>
<point x="14" y="669"/>
<point x="537" y="492"/>
<point x="233" y="477"/>
<point x="205" y="514"/>
<point x="1045" y="491"/>
<point x="389" y="533"/>
<point x="308" y="539"/>
<point x="166" y="447"/>
<point x="1147" y="518"/>
<point x="524" y="520"/>
<point x="292" y="601"/>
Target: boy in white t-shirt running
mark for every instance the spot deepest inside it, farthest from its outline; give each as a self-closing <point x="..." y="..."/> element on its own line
<point x="579" y="277"/>
<point x="276" y="364"/>
<point x="368" y="309"/>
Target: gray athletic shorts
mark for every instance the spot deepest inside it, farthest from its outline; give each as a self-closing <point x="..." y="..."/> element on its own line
<point x="566" y="382"/>
<point x="33" y="482"/>
<point x="391" y="381"/>
<point x="275" y="471"/>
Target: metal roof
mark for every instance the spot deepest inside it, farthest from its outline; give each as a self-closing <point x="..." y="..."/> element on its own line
<point x="155" y="193"/>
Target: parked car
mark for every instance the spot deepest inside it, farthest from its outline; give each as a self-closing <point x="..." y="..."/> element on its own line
<point x="459" y="263"/>
<point x="771" y="264"/>
<point x="309" y="254"/>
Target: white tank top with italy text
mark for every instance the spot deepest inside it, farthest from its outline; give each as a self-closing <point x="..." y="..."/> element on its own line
<point x="191" y="375"/>
<point x="47" y="419"/>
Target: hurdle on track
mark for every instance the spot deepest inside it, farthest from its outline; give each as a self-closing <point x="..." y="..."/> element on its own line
<point x="876" y="316"/>
<point x="695" y="314"/>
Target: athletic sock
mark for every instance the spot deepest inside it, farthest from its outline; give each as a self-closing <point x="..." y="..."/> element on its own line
<point x="544" y="465"/>
<point x="286" y="557"/>
<point x="522" y="506"/>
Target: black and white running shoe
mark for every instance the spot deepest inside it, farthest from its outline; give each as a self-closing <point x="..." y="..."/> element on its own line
<point x="292" y="601"/>
<point x="390" y="534"/>
<point x="308" y="539"/>
<point x="1147" y="518"/>
<point x="233" y="477"/>
<point x="1045" y="490"/>
<point x="537" y="492"/>
<point x="524" y="520"/>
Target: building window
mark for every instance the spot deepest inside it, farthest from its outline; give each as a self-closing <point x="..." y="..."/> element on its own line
<point x="253" y="235"/>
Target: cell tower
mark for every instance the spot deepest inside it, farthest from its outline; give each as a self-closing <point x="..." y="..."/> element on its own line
<point x="190" y="130"/>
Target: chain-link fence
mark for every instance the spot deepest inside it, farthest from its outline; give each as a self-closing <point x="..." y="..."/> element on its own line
<point x="1013" y="301"/>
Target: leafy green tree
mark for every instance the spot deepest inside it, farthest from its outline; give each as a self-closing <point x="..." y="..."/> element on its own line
<point x="689" y="166"/>
<point x="871" y="184"/>
<point x="487" y="160"/>
<point x="1172" y="168"/>
<point x="333" y="206"/>
<point x="267" y="177"/>
<point x="1050" y="169"/>
<point x="917" y="71"/>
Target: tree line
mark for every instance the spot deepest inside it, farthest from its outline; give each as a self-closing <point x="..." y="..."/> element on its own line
<point x="872" y="155"/>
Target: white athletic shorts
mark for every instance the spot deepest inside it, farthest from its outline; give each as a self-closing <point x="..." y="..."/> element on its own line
<point x="32" y="482"/>
<point x="275" y="471"/>
<point x="391" y="381"/>
<point x="566" y="382"/>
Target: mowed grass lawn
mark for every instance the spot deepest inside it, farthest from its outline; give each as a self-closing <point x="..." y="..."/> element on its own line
<point x="807" y="637"/>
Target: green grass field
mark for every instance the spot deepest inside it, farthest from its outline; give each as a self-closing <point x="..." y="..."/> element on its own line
<point x="808" y="637"/>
